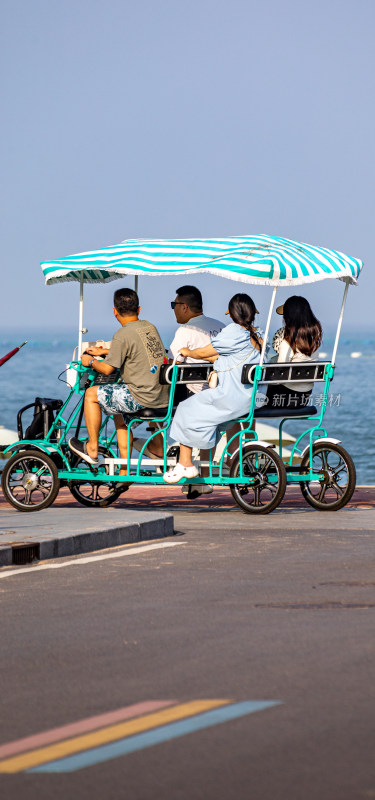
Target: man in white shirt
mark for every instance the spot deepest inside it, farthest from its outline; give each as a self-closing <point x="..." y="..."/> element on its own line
<point x="195" y="329"/>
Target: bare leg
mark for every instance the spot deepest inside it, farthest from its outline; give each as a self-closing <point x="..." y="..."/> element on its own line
<point x="156" y="447"/>
<point x="122" y="439"/>
<point x="185" y="456"/>
<point x="186" y="460"/>
<point x="194" y="490"/>
<point x="93" y="419"/>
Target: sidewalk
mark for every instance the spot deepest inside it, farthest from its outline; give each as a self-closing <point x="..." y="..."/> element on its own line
<point x="67" y="528"/>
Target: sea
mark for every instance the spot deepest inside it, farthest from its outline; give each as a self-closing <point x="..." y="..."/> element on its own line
<point x="39" y="370"/>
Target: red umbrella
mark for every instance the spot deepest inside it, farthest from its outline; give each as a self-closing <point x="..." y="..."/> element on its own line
<point x="12" y="353"/>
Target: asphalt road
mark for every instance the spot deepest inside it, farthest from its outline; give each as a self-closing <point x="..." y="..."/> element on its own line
<point x="230" y="611"/>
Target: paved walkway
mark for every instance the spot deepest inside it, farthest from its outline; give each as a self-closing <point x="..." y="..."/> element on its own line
<point x="171" y="498"/>
<point x="67" y="528"/>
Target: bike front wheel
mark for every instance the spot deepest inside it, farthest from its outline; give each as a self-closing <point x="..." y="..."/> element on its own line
<point x="30" y="480"/>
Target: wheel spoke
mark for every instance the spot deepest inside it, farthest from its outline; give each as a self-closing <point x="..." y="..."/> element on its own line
<point x="24" y="466"/>
<point x="44" y="489"/>
<point x="28" y="497"/>
<point x="41" y="471"/>
<point x="249" y="464"/>
<point x="338" y="489"/>
<point x="322" y="492"/>
<point x="256" y="491"/>
<point x="268" y="460"/>
<point x="270" y="487"/>
<point x="95" y="492"/>
<point x="339" y="469"/>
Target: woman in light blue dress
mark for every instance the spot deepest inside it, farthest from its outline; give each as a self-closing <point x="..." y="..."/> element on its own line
<point x="198" y="421"/>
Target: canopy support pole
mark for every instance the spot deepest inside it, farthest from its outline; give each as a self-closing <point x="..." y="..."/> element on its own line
<point x="80" y="323"/>
<point x="268" y="325"/>
<point x="340" y="321"/>
<point x="136" y="283"/>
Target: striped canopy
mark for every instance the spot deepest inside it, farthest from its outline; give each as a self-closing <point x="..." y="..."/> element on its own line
<point x="259" y="259"/>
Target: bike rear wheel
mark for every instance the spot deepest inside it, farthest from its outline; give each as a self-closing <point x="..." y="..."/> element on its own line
<point x="268" y="479"/>
<point x="337" y="485"/>
<point x="94" y="494"/>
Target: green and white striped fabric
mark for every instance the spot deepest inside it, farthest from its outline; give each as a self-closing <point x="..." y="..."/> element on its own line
<point x="260" y="259"/>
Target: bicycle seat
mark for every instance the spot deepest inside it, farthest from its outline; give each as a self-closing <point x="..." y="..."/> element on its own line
<point x="148" y="413"/>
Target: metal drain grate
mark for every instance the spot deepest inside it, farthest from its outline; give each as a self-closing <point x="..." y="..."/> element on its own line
<point x="25" y="553"/>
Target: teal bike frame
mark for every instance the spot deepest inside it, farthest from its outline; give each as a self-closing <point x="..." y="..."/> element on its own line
<point x="143" y="472"/>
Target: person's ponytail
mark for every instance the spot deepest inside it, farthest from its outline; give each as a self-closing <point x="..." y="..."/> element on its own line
<point x="242" y="310"/>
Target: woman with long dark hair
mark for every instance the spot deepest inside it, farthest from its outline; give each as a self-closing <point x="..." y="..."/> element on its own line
<point x="298" y="340"/>
<point x="199" y="420"/>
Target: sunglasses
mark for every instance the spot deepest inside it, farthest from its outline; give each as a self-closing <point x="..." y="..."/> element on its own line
<point x="176" y="303"/>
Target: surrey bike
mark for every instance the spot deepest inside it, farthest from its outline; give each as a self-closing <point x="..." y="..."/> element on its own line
<point x="254" y="470"/>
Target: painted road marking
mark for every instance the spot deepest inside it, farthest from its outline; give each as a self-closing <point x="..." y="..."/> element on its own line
<point x="139" y="732"/>
<point x="131" y="551"/>
<point x="109" y="734"/>
<point x="83" y="726"/>
<point x="150" y="738"/>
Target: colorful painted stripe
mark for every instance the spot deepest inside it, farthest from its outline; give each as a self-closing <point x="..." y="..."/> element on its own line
<point x="105" y="735"/>
<point x="251" y="259"/>
<point x="83" y="726"/>
<point x="81" y="744"/>
<point x="161" y="734"/>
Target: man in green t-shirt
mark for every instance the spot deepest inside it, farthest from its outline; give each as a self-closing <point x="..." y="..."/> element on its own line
<point x="138" y="352"/>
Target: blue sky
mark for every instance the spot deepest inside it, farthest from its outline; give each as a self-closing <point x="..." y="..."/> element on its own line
<point x="166" y="118"/>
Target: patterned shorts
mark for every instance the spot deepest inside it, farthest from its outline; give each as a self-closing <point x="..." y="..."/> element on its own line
<point x="115" y="398"/>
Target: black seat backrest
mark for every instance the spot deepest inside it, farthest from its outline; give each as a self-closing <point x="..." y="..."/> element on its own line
<point x="187" y="373"/>
<point x="297" y="372"/>
<point x="43" y="419"/>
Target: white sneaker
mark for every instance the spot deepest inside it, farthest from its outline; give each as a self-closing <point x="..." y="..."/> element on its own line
<point x="178" y="472"/>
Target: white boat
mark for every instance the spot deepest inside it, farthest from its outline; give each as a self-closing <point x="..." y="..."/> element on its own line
<point x="7" y="437"/>
<point x="267" y="433"/>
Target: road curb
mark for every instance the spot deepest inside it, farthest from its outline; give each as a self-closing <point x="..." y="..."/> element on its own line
<point x="78" y="532"/>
